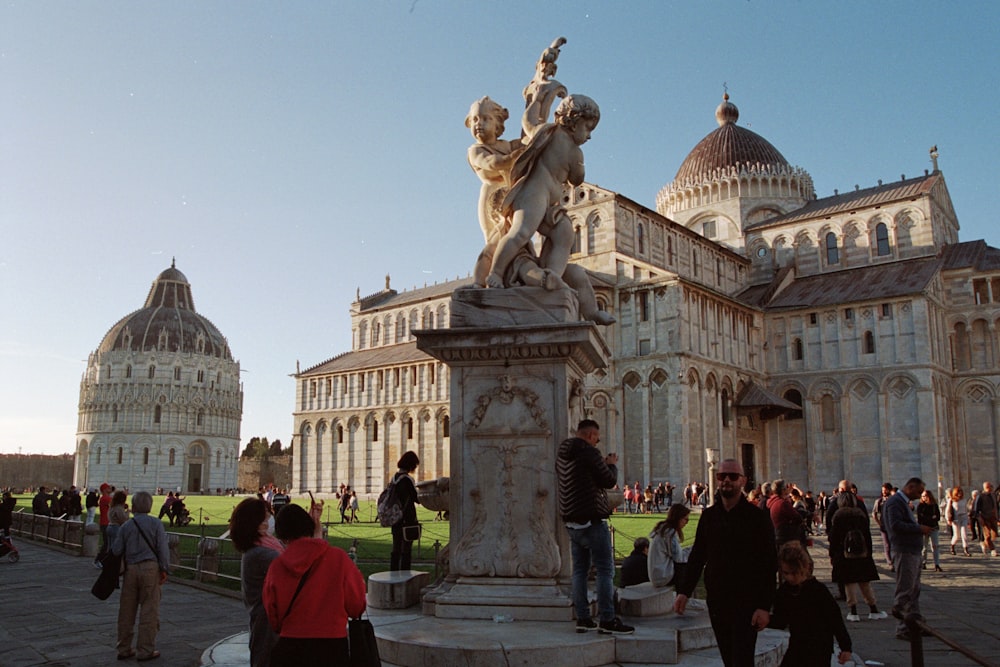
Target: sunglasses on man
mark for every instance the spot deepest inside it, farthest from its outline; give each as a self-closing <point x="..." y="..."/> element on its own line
<point x="731" y="476"/>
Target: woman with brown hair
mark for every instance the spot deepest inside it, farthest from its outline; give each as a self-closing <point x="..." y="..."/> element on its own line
<point x="250" y="530"/>
<point x="667" y="559"/>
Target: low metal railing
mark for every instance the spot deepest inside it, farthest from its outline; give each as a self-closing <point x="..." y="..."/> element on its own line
<point x="918" y="629"/>
<point x="59" y="531"/>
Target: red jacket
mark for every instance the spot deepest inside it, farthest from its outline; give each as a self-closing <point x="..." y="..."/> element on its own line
<point x="334" y="591"/>
<point x="105" y="506"/>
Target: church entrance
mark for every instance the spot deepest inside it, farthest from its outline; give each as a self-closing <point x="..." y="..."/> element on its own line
<point x="749" y="465"/>
<point x="194" y="478"/>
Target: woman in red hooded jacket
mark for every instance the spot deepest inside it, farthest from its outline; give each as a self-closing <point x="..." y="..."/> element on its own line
<point x="310" y="591"/>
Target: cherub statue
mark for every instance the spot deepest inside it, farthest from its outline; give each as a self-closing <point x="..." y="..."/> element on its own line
<point x="551" y="160"/>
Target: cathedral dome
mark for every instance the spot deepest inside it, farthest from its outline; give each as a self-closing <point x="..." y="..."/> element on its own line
<point x="728" y="146"/>
<point x="168" y="322"/>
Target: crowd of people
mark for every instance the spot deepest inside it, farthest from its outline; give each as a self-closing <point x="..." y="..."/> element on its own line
<point x="753" y="548"/>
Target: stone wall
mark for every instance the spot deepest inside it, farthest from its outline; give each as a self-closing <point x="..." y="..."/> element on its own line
<point x="23" y="471"/>
<point x="255" y="473"/>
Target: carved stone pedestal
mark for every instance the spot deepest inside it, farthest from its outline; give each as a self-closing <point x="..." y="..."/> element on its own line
<point x="510" y="395"/>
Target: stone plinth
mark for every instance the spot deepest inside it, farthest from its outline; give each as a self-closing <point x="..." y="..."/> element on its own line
<point x="396" y="590"/>
<point x="646" y="600"/>
<point x="511" y="388"/>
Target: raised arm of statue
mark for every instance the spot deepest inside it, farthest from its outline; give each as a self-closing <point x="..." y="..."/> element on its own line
<point x="542" y="91"/>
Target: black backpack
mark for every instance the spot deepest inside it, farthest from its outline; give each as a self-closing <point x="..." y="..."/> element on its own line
<point x="855" y="544"/>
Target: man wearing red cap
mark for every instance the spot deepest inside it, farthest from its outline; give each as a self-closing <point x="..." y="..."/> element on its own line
<point x="104" y="505"/>
<point x="734" y="544"/>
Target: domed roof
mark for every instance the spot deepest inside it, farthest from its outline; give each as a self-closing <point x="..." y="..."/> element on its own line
<point x="167" y="322"/>
<point x="728" y="146"/>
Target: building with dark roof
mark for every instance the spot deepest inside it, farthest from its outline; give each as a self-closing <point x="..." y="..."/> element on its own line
<point x="812" y="338"/>
<point x="161" y="399"/>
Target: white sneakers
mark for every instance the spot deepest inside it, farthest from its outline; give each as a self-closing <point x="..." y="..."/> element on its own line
<point x="877" y="616"/>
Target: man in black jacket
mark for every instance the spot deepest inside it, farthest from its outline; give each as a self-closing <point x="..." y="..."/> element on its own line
<point x="734" y="544"/>
<point x="583" y="503"/>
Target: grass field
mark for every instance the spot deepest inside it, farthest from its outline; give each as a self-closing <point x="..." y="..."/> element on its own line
<point x="372" y="542"/>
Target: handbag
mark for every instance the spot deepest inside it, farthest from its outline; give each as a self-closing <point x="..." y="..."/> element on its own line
<point x="107" y="580"/>
<point x="362" y="644"/>
<point x="412" y="533"/>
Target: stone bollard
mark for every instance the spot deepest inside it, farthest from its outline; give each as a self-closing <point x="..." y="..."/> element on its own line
<point x="208" y="560"/>
<point x="174" y="546"/>
<point x="91" y="540"/>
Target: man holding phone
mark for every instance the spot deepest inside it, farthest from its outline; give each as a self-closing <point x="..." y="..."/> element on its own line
<point x="584" y="475"/>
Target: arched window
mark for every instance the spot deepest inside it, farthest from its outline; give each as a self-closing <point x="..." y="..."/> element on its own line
<point x="869" y="342"/>
<point x="201" y="417"/>
<point x="218" y="458"/>
<point x="446" y="427"/>
<point x="98" y="462"/>
<point x="145" y="456"/>
<point x="152" y="372"/>
<point x="793" y="396"/>
<point x="640" y="239"/>
<point x="881" y="239"/>
<point x="409" y="428"/>
<point x="797" y="349"/>
<point x="171" y="457"/>
<point x="670" y="250"/>
<point x="114" y="414"/>
<point x="128" y="371"/>
<point x="832" y="253"/>
<point x="340" y="433"/>
<point x="121" y="455"/>
<point x="374" y="430"/>
<point x="695" y="262"/>
<point x="157" y="414"/>
<point x="177" y="373"/>
<point x="577" y="240"/>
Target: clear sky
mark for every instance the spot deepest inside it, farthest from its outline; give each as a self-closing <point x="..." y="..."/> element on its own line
<point x="290" y="153"/>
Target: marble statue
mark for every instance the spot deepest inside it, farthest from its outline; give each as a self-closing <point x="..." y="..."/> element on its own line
<point x="522" y="187"/>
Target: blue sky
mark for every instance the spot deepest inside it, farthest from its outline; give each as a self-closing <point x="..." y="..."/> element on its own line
<point x="288" y="154"/>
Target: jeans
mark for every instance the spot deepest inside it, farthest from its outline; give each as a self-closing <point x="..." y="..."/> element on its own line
<point x="931" y="543"/>
<point x="593" y="544"/>
<point x="907" y="598"/>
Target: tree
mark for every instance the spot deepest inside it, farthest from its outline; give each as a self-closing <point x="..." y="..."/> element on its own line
<point x="258" y="448"/>
<point x="275" y="449"/>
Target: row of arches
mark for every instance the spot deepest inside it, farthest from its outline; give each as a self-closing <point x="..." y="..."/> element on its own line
<point x="392" y="328"/>
<point x="742" y="180"/>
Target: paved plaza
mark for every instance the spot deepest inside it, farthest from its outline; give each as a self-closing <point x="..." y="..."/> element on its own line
<point x="50" y="618"/>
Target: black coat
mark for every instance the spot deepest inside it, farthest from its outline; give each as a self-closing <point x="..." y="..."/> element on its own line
<point x="851" y="570"/>
<point x="583" y="477"/>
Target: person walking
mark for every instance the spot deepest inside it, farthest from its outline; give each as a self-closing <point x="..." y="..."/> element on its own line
<point x="987" y="514"/>
<point x="406" y="491"/>
<point x="851" y="556"/>
<point x="808" y="610"/>
<point x="929" y="514"/>
<point x="906" y="536"/>
<point x="104" y="506"/>
<point x="584" y="477"/>
<point x="734" y="545"/>
<point x="143" y="542"/>
<point x="877" y="508"/>
<point x="957" y="515"/>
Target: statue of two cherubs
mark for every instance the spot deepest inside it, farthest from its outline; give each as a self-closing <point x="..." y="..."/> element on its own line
<point x="523" y="181"/>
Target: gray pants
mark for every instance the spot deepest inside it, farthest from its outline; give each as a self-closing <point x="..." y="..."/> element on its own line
<point x="907" y="599"/>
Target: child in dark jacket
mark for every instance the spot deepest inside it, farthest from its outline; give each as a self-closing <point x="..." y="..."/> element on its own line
<point x="808" y="610"/>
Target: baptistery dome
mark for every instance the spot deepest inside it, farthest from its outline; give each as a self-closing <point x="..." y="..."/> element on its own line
<point x="167" y="322"/>
<point x="161" y="399"/>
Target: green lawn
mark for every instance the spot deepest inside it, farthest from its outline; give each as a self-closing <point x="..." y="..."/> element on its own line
<point x="372" y="542"/>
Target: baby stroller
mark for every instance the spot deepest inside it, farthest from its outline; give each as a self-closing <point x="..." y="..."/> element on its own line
<point x="182" y="516"/>
<point x="8" y="549"/>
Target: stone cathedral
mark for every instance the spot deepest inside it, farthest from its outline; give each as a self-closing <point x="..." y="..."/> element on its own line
<point x="810" y="338"/>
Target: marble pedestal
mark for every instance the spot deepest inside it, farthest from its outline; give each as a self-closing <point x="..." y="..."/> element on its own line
<point x="511" y="390"/>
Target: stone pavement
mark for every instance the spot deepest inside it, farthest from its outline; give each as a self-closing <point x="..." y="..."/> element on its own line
<point x="50" y="618"/>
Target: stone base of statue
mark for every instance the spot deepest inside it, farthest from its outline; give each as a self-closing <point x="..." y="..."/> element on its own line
<point x="511" y="390"/>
